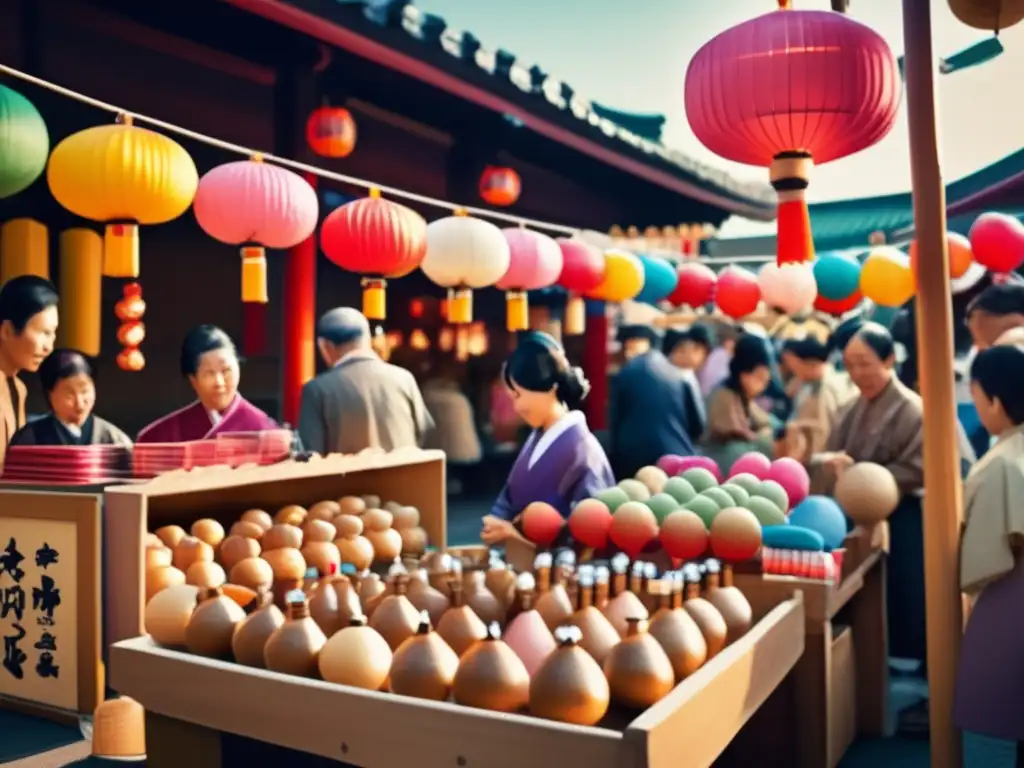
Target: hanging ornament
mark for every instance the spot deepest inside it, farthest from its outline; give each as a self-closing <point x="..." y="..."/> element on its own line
<point x="377" y="238"/>
<point x="737" y="293"/>
<point x="790" y="287"/>
<point x="623" y="277"/>
<point x="24" y="143"/>
<point x="886" y="277"/>
<point x="255" y="205"/>
<point x="463" y="254"/>
<point x="331" y="132"/>
<point x="989" y="15"/>
<point x="997" y="241"/>
<point x="789" y="89"/>
<point x="695" y="285"/>
<point x="837" y="275"/>
<point x="960" y="256"/>
<point x="660" y="279"/>
<point x="500" y="187"/>
<point x="131" y="333"/>
<point x="123" y="176"/>
<point x="838" y="307"/>
<point x="582" y="271"/>
<point x="535" y="262"/>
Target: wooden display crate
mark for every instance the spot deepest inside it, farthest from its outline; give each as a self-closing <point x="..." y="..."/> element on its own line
<point x="412" y="477"/>
<point x="194" y="704"/>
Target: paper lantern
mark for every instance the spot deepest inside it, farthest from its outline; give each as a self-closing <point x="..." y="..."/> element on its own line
<point x="695" y="285"/>
<point x="24" y="249"/>
<point x="464" y="253"/>
<point x="989" y="15"/>
<point x="123" y="176"/>
<point x="24" y="143"/>
<point x="789" y="89"/>
<point x="997" y="241"/>
<point x="960" y="255"/>
<point x="131" y="333"/>
<point x="737" y="293"/>
<point x="838" y="307"/>
<point x="535" y="262"/>
<point x="790" y="288"/>
<point x="542" y="523"/>
<point x="81" y="290"/>
<point x="590" y="523"/>
<point x="623" y="277"/>
<point x="331" y="132"/>
<point x="660" y="279"/>
<point x="886" y="277"/>
<point x="500" y="186"/>
<point x="837" y="276"/>
<point x="583" y="269"/>
<point x="256" y="205"/>
<point x="377" y="238"/>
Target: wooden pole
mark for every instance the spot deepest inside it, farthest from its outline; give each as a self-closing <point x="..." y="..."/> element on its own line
<point x="942" y="491"/>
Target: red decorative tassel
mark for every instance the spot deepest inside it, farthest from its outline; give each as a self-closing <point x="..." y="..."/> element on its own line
<point x="794" y="242"/>
<point x="255" y="330"/>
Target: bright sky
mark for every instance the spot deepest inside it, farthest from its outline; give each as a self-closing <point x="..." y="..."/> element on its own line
<point x="632" y="56"/>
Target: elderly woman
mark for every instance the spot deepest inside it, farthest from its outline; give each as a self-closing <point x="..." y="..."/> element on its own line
<point x="884" y="425"/>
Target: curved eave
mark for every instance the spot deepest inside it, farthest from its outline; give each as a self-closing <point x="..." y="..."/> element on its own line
<point x="630" y="160"/>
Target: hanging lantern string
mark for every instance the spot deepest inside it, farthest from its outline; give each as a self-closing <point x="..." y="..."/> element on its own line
<point x="125" y="114"/>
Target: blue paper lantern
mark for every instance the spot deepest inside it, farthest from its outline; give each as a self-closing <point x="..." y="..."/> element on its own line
<point x="821" y="514"/>
<point x="660" y="279"/>
<point x="838" y="276"/>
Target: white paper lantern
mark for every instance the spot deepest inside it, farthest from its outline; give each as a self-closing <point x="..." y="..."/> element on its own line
<point x="464" y="253"/>
<point x="788" y="287"/>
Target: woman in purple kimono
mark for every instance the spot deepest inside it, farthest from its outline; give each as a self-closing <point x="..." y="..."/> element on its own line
<point x="210" y="363"/>
<point x="561" y="462"/>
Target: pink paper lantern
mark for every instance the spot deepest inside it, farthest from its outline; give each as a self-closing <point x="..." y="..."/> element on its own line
<point x="535" y="262"/>
<point x="583" y="268"/>
<point x="695" y="287"/>
<point x="793" y="477"/>
<point x="997" y="241"/>
<point x="255" y="205"/>
<point x="790" y="89"/>
<point x="790" y="288"/>
<point x="753" y="463"/>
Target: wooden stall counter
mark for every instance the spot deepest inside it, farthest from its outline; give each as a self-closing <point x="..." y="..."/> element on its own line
<point x="839" y="688"/>
<point x="197" y="708"/>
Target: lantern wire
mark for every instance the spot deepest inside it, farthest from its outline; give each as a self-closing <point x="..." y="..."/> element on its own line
<point x="283" y="161"/>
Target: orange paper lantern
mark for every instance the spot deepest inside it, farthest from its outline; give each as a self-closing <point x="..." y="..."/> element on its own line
<point x="500" y="186"/>
<point x="960" y="255"/>
<point x="331" y="132"/>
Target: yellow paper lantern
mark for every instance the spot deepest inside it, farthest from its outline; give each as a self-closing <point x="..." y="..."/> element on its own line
<point x="623" y="277"/>
<point x="123" y="176"/>
<point x="886" y="277"/>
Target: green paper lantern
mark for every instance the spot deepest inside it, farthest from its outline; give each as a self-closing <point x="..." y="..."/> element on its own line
<point x="24" y="143"/>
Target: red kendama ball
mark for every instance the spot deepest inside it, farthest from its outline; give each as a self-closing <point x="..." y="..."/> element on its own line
<point x="542" y="523"/>
<point x="590" y="523"/>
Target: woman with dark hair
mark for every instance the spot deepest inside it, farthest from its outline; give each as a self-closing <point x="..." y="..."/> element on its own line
<point x="736" y="423"/>
<point x="988" y="698"/>
<point x="210" y="363"/>
<point x="561" y="462"/>
<point x="884" y="425"/>
<point x="818" y="400"/>
<point x="68" y="383"/>
<point x="28" y="327"/>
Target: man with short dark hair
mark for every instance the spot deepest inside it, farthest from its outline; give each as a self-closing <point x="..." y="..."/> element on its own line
<point x="361" y="401"/>
<point x="996" y="313"/>
<point x="28" y="328"/>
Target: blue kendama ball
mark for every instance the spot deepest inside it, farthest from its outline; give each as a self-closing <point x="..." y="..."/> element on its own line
<point x="823" y="515"/>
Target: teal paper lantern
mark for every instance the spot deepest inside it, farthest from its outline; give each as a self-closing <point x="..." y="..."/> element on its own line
<point x="660" y="279"/>
<point x="838" y="276"/>
<point x="24" y="143"/>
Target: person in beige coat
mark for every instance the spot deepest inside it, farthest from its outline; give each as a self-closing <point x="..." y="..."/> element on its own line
<point x="28" y="328"/>
<point x="360" y="401"/>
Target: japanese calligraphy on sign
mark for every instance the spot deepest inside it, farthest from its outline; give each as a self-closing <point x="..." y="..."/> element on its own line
<point x="39" y="611"/>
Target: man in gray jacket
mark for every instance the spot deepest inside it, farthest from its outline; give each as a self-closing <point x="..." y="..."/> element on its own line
<point x="360" y="401"/>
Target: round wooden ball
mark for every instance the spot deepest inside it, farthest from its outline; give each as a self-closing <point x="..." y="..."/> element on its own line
<point x="867" y="492"/>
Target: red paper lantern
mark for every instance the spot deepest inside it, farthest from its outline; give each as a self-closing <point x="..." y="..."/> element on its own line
<point x="331" y="132"/>
<point x="542" y="523"/>
<point x="684" y="535"/>
<point x="789" y="89"/>
<point x="500" y="186"/>
<point x="838" y="306"/>
<point x="590" y="523"/>
<point x="997" y="241"/>
<point x="377" y="238"/>
<point x="696" y="286"/>
<point x="737" y="292"/>
<point x="583" y="268"/>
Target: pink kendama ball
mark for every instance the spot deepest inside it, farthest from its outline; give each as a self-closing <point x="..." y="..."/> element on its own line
<point x="634" y="526"/>
<point x="735" y="535"/>
<point x="753" y="463"/>
<point x="590" y="523"/>
<point x="670" y="464"/>
<point x="793" y="477"/>
<point x="684" y="535"/>
<point x="542" y="523"/>
<point x="701" y="462"/>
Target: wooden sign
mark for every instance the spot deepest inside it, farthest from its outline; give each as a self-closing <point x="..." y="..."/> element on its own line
<point x="50" y="659"/>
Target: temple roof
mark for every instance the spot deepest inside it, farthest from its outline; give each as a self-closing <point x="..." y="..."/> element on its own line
<point x="849" y="223"/>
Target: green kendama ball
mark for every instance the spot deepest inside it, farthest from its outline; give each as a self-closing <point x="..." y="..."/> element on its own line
<point x="774" y="492"/>
<point x="745" y="480"/>
<point x="720" y="496"/>
<point x="662" y="505"/>
<point x="739" y="494"/>
<point x="766" y="511"/>
<point x="679" y="489"/>
<point x="636" y="490"/>
<point x="701" y="479"/>
<point x="613" y="497"/>
<point x="704" y="508"/>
